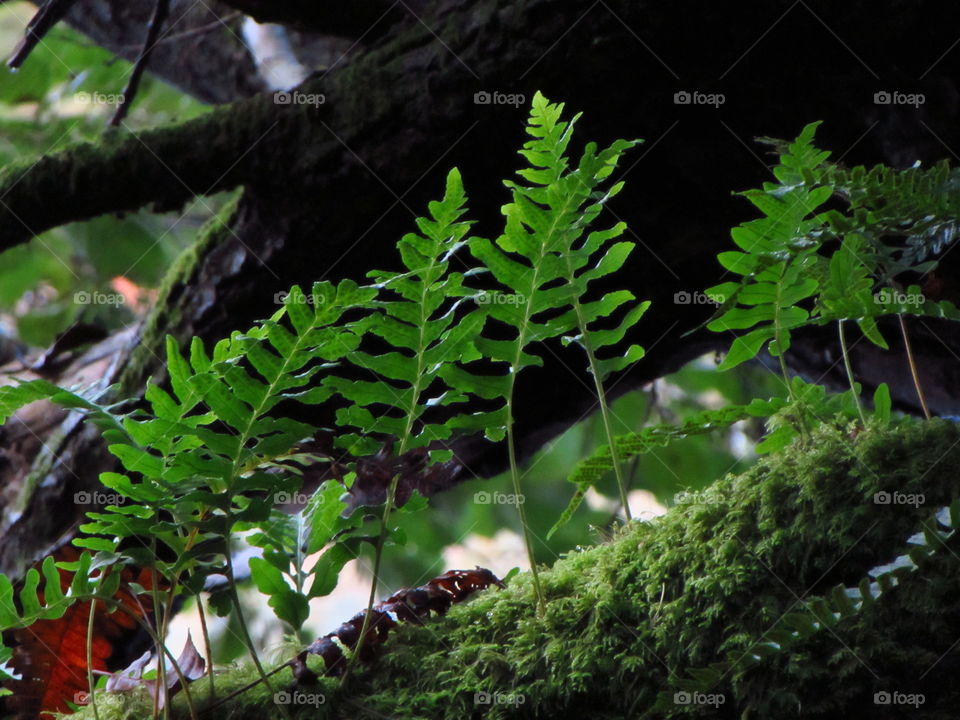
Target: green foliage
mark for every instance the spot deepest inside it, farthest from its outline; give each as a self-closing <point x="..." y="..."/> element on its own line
<point x="783" y="263"/>
<point x="210" y="455"/>
<point x="628" y="617"/>
<point x="542" y="256"/>
<point x="540" y="260"/>
<point x="416" y="315"/>
<point x="777" y="253"/>
<point x="919" y="205"/>
<point x="421" y="357"/>
<point x="789" y="280"/>
<point x="589" y="471"/>
<point x="63" y="95"/>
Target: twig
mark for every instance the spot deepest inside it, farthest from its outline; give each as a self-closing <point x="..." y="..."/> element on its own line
<point x="40" y="24"/>
<point x="160" y="14"/>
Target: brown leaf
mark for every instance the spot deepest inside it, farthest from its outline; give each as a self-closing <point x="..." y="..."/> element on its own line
<point x="191" y="664"/>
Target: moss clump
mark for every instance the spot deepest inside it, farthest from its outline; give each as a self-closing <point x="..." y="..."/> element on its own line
<point x="627" y="619"/>
<point x="143" y="358"/>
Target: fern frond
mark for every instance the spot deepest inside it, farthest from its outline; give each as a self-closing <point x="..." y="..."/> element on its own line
<point x="589" y="471"/>
<point x="421" y="316"/>
<point x="778" y="256"/>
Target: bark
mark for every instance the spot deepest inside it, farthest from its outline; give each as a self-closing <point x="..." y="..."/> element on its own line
<point x="201" y="50"/>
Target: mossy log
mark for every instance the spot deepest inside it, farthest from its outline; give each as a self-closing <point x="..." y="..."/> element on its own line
<point x="627" y="621"/>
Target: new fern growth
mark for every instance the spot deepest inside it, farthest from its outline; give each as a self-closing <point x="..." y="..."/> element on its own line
<point x="540" y="260"/>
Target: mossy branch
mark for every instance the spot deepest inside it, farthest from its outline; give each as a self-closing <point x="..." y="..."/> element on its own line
<point x="628" y="619"/>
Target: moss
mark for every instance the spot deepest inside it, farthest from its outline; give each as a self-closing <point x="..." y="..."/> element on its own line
<point x="143" y="359"/>
<point x="628" y="618"/>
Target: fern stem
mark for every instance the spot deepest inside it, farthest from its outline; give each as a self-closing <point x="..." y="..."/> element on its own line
<point x="527" y="540"/>
<point x="140" y="620"/>
<point x="207" y="648"/>
<point x="801" y="421"/>
<point x="914" y="372"/>
<point x="607" y="424"/>
<point x="160" y="637"/>
<point x="90" y="682"/>
<point x="846" y="364"/>
<point x="244" y="630"/>
<point x="377" y="559"/>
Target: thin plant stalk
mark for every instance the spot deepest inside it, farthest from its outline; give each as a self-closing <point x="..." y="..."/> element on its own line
<point x="161" y="639"/>
<point x="90" y="682"/>
<point x="913" y="367"/>
<point x="139" y="619"/>
<point x="515" y="478"/>
<point x="377" y="559"/>
<point x="244" y="630"/>
<point x="846" y="364"/>
<point x="207" y="647"/>
<point x="605" y="414"/>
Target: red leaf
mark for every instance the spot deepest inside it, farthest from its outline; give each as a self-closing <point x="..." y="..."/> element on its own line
<point x="51" y="655"/>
